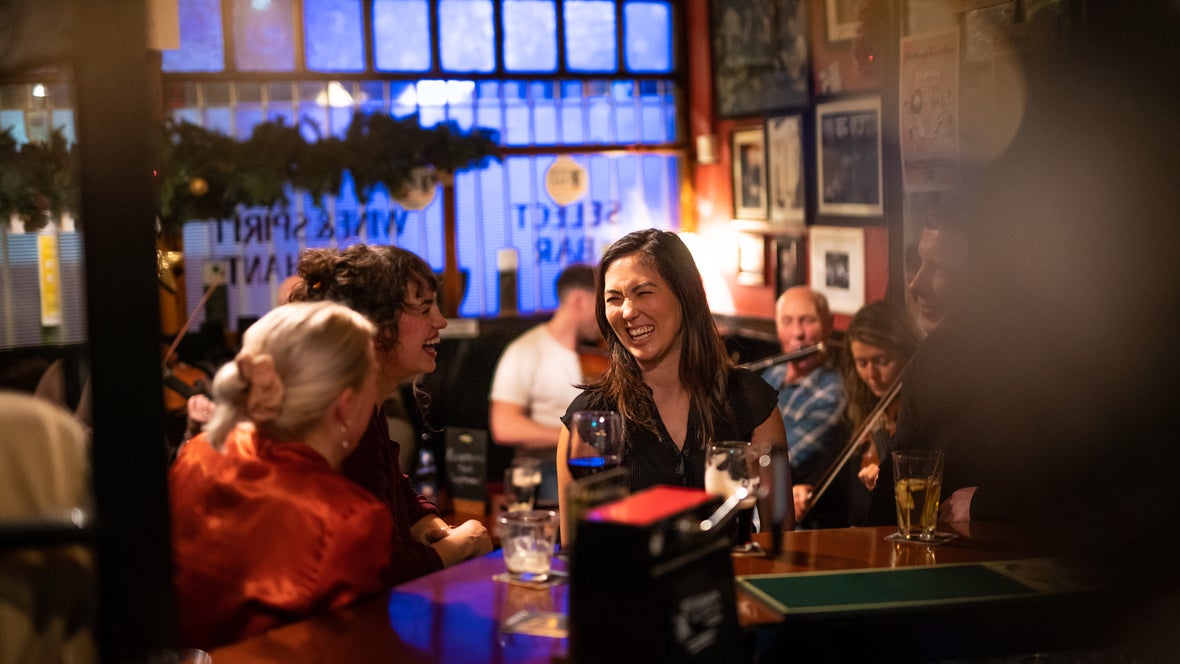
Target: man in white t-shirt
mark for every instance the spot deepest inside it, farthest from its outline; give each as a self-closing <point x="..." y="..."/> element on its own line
<point x="536" y="375"/>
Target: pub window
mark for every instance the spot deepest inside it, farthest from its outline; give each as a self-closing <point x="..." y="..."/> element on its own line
<point x="592" y="79"/>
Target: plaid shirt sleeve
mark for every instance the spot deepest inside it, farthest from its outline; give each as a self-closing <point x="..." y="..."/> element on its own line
<point x="811" y="412"/>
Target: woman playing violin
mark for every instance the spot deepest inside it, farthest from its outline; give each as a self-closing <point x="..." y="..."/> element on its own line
<point x="879" y="342"/>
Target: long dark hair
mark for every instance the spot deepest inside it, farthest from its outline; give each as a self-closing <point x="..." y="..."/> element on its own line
<point x="704" y="364"/>
<point x="888" y="327"/>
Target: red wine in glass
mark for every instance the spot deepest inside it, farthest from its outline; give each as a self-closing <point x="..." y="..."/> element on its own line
<point x="596" y="441"/>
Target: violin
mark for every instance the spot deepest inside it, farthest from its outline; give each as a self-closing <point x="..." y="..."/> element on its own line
<point x="182" y="381"/>
<point x="889" y="404"/>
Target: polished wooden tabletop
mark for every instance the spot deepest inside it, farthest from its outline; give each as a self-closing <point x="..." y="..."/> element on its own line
<point x="458" y="614"/>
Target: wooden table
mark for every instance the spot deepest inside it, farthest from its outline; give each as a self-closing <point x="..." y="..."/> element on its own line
<point x="455" y="615"/>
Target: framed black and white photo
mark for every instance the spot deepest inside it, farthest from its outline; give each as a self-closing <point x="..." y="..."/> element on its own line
<point x="842" y="18"/>
<point x="788" y="264"/>
<point x="848" y="157"/>
<point x="749" y="174"/>
<point x="837" y="266"/>
<point x="784" y="156"/>
<point x="760" y="55"/>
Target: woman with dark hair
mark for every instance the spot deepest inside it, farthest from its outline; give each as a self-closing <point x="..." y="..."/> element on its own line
<point x="669" y="376"/>
<point x="878" y="345"/>
<point x="395" y="290"/>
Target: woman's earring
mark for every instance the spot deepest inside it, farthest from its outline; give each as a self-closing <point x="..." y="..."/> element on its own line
<point x="344" y="435"/>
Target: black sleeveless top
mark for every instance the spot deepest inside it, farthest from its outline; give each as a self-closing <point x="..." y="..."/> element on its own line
<point x="655" y="460"/>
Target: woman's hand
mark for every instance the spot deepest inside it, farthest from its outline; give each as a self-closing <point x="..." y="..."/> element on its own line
<point x="468" y="540"/>
<point x="868" y="475"/>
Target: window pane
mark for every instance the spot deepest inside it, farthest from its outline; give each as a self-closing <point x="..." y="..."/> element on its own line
<point x="647" y="33"/>
<point x="544" y="113"/>
<point x="590" y="36"/>
<point x="333" y="35"/>
<point x="201" y="42"/>
<point x="264" y="35"/>
<point x="465" y="35"/>
<point x="530" y="35"/>
<point x="623" y="95"/>
<point x="401" y="35"/>
<point x="516" y="114"/>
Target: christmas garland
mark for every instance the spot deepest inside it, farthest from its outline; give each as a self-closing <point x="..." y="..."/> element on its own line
<point x="203" y="174"/>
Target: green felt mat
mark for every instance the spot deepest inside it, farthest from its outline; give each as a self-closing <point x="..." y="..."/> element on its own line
<point x="872" y="589"/>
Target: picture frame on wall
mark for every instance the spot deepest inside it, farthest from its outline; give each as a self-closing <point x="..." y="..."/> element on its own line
<point x="848" y="157"/>
<point x="789" y="261"/>
<point x="760" y="55"/>
<point x="751" y="259"/>
<point x="842" y="18"/>
<point x="836" y="260"/>
<point x="749" y="174"/>
<point x="784" y="155"/>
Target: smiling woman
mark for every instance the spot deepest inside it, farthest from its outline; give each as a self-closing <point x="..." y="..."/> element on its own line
<point x="669" y="375"/>
<point x="396" y="290"/>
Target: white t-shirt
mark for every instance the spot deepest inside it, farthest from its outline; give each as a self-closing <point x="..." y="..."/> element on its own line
<point x="537" y="372"/>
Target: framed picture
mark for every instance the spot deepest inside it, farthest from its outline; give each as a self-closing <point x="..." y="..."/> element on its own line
<point x="749" y="174"/>
<point x="788" y="264"/>
<point x="843" y="19"/>
<point x="751" y="260"/>
<point x="837" y="266"/>
<point x="848" y="157"/>
<point x="760" y="60"/>
<point x="784" y="156"/>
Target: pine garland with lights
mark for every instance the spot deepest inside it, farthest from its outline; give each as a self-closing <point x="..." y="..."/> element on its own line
<point x="36" y="180"/>
<point x="203" y="174"/>
<point x="207" y="174"/>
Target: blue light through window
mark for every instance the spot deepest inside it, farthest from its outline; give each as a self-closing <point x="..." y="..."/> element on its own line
<point x="333" y="35"/>
<point x="647" y="33"/>
<point x="264" y="35"/>
<point x="401" y="35"/>
<point x="590" y="39"/>
<point x="530" y="35"/>
<point x="466" y="35"/>
<point x="201" y="43"/>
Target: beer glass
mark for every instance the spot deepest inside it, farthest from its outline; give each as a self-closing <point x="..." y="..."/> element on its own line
<point x="917" y="485"/>
<point x="729" y="466"/>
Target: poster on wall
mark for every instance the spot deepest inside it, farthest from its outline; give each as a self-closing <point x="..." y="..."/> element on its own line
<point x="929" y="113"/>
<point x="759" y="55"/>
<point x="837" y="266"/>
<point x="848" y="154"/>
<point x="784" y="138"/>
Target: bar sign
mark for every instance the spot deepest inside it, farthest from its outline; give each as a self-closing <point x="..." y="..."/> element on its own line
<point x="49" y="274"/>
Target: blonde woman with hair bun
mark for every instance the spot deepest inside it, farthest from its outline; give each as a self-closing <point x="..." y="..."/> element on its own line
<point x="265" y="528"/>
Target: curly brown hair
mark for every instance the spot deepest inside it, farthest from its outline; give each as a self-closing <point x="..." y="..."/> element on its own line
<point x="370" y="279"/>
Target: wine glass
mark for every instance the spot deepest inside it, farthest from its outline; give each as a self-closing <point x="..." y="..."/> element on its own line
<point x="732" y="465"/>
<point x="596" y="442"/>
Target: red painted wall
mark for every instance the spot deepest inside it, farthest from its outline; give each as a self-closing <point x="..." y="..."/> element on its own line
<point x="712" y="184"/>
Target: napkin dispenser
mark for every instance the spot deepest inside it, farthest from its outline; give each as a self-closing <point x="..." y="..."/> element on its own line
<point x="651" y="581"/>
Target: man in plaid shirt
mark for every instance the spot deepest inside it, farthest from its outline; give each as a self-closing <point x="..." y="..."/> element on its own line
<point x="810" y="392"/>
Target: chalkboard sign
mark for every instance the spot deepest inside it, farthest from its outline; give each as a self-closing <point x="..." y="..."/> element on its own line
<point x="467" y="461"/>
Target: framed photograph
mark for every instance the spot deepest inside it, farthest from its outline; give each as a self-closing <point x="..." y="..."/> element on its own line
<point x="760" y="60"/>
<point x="749" y="174"/>
<point x="929" y="112"/>
<point x="784" y="156"/>
<point x="751" y="260"/>
<point x="837" y="266"/>
<point x="848" y="157"/>
<point x="788" y="264"/>
<point x="843" y="19"/>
